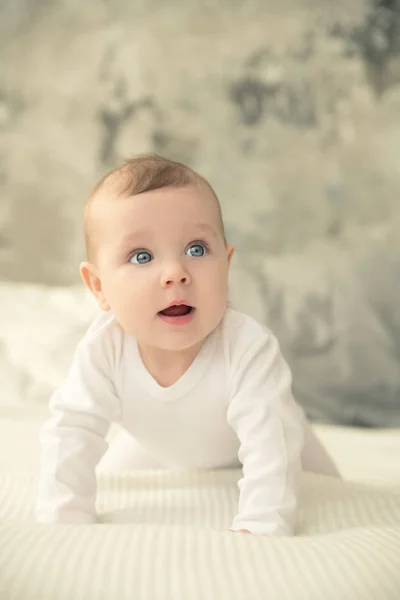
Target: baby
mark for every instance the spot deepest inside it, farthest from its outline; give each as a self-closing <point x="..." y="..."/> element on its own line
<point x="193" y="382"/>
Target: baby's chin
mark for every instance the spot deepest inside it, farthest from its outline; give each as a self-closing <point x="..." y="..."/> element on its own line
<point x="165" y="334"/>
<point x="183" y="344"/>
<point x="178" y="340"/>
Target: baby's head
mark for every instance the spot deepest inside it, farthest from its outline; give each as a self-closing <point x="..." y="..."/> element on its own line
<point x="154" y="238"/>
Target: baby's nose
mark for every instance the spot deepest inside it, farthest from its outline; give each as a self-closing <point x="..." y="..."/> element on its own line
<point x="175" y="273"/>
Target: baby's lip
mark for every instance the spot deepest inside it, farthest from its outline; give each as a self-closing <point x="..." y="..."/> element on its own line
<point x="177" y="303"/>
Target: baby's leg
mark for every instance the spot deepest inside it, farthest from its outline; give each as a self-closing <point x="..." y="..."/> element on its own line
<point x="315" y="457"/>
<point x="126" y="454"/>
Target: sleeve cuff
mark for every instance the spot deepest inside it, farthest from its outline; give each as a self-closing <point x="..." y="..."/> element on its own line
<point x="273" y="529"/>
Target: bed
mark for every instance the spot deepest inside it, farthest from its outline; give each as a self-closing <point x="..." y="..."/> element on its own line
<point x="164" y="535"/>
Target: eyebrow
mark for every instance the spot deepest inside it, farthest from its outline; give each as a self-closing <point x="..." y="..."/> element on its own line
<point x="206" y="227"/>
<point x="131" y="237"/>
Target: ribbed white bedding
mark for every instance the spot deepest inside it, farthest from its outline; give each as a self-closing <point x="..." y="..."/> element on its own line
<point x="165" y="536"/>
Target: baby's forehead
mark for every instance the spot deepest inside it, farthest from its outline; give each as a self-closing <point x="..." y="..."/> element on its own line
<point x="117" y="187"/>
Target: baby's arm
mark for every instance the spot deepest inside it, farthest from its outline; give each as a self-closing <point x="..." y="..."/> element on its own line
<point x="270" y="427"/>
<point x="73" y="439"/>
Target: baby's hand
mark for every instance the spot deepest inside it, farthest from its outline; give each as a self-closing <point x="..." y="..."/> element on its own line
<point x="242" y="531"/>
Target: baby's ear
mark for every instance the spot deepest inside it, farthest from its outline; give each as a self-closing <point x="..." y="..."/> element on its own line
<point x="93" y="283"/>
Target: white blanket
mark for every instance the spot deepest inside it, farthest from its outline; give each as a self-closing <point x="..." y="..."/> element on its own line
<point x="165" y="536"/>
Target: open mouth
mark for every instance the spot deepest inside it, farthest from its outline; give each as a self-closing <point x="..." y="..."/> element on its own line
<point x="177" y="310"/>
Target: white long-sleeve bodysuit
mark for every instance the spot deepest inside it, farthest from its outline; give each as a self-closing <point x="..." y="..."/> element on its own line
<point x="233" y="406"/>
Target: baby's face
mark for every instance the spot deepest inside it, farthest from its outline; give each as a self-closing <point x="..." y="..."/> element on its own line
<point x="161" y="248"/>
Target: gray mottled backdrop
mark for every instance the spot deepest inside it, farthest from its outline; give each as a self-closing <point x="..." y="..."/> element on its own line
<point x="291" y="109"/>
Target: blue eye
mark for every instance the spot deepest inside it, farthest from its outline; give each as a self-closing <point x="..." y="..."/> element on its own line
<point x="197" y="250"/>
<point x="141" y="257"/>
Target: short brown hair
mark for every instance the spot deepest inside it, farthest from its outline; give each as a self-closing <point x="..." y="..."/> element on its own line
<point x="139" y="174"/>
